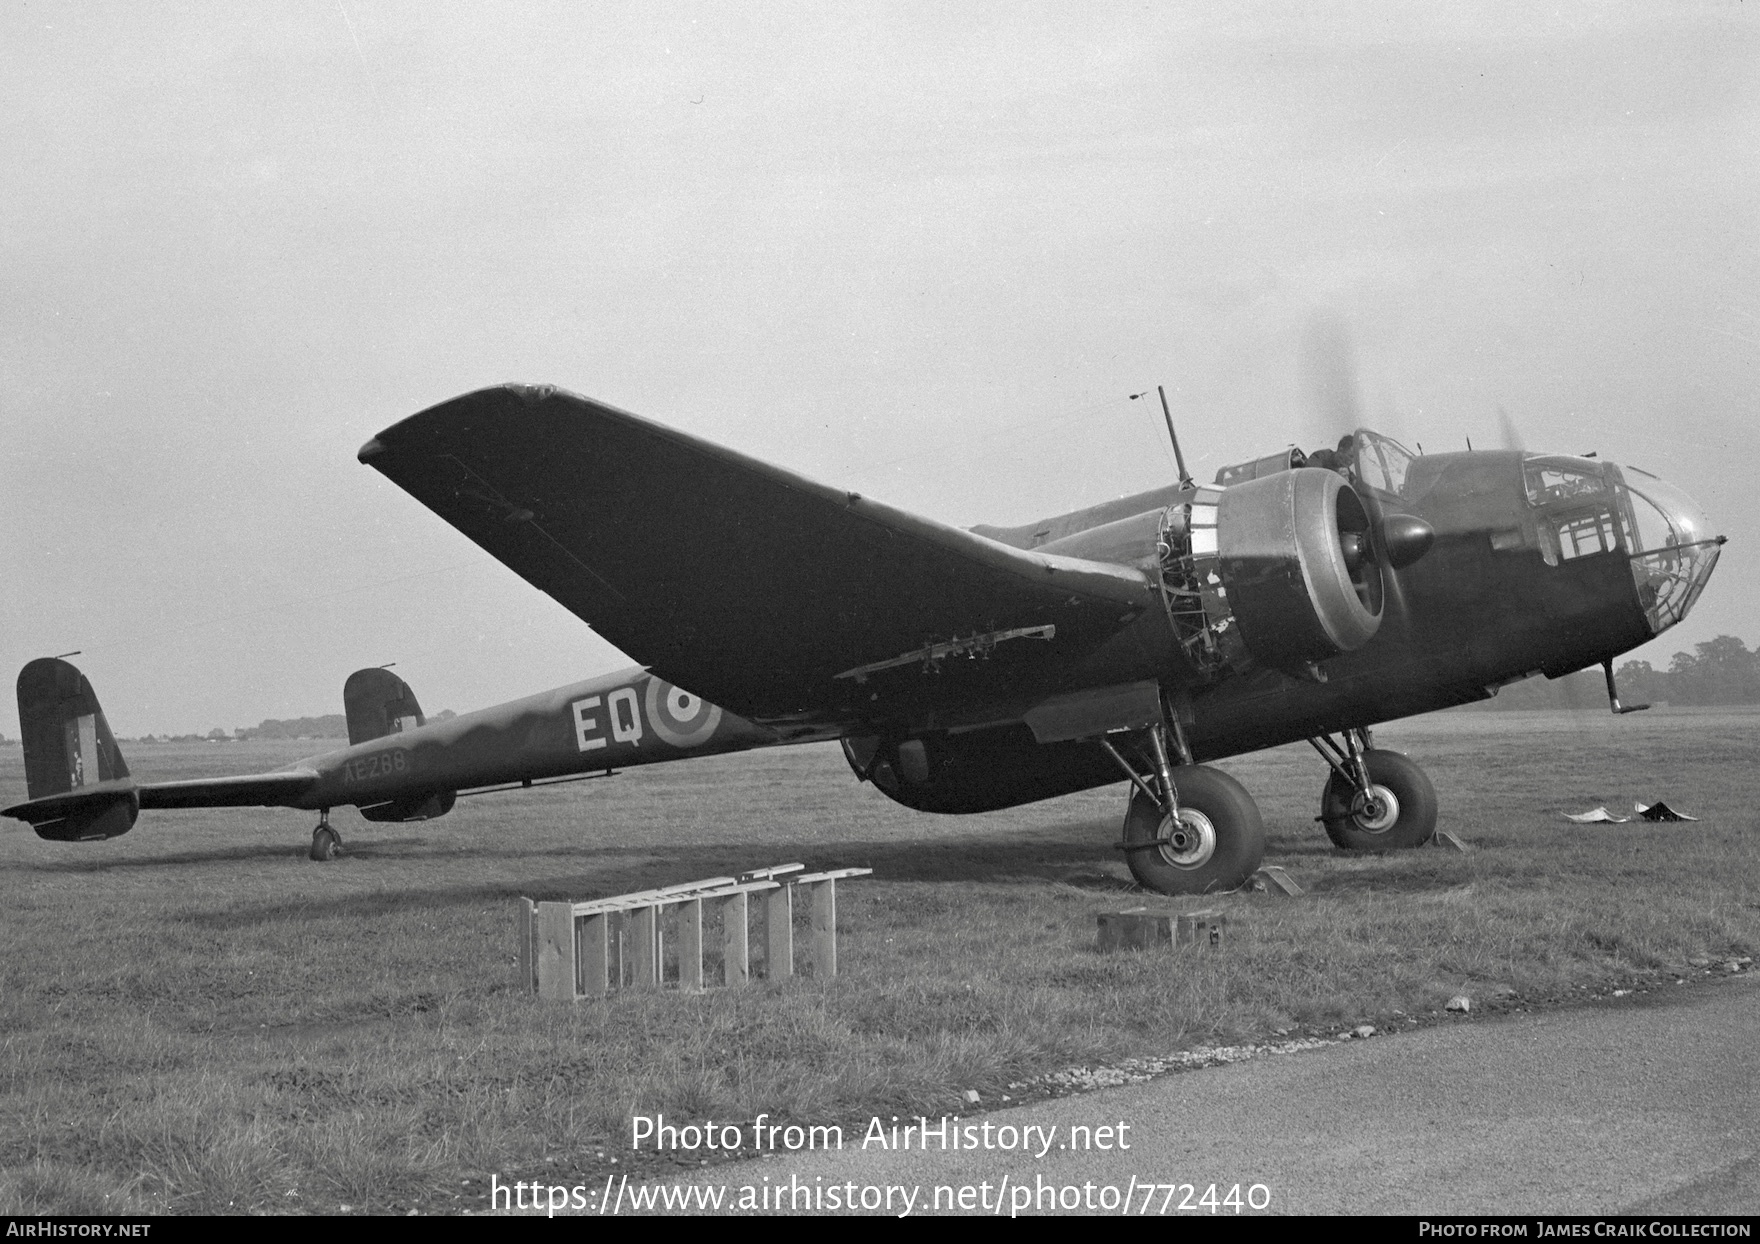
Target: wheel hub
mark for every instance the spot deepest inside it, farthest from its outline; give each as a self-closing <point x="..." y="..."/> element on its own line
<point x="1375" y="811"/>
<point x="1188" y="840"/>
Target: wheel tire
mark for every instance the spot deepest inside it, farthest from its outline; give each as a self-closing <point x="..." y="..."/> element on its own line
<point x="1226" y="843"/>
<point x="326" y="844"/>
<point x="1409" y="821"/>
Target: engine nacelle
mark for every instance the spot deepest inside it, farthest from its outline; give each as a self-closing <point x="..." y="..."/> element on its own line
<point x="979" y="771"/>
<point x="1298" y="567"/>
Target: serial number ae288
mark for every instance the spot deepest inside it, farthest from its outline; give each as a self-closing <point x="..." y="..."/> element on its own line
<point x="378" y="765"/>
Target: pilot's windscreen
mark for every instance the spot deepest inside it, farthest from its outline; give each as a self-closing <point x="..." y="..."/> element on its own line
<point x="1554" y="480"/>
<point x="1382" y="463"/>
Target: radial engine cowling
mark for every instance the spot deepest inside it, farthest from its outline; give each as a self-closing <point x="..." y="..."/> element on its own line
<point x="1297" y="562"/>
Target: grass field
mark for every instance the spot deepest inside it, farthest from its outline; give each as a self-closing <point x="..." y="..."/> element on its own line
<point x="196" y="1018"/>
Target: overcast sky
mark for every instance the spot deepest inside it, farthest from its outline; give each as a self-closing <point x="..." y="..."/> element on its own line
<point x="923" y="250"/>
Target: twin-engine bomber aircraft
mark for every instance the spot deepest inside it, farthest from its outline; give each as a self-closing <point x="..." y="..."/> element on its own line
<point x="1297" y="597"/>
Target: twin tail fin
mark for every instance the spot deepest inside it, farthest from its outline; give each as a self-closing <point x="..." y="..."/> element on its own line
<point x="377" y="703"/>
<point x="75" y="775"/>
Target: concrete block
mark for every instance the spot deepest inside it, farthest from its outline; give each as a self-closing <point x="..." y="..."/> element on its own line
<point x="1135" y="929"/>
<point x="1141" y="929"/>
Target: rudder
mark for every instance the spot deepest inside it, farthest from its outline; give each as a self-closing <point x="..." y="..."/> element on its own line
<point x="378" y="703"/>
<point x="74" y="771"/>
<point x="67" y="742"/>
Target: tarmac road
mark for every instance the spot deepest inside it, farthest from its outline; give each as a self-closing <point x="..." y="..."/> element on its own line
<point x="1643" y="1105"/>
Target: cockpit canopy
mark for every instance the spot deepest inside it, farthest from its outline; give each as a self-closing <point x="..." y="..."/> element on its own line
<point x="1365" y="457"/>
<point x="1381" y="462"/>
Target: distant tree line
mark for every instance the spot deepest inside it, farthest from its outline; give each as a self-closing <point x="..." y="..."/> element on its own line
<point x="1718" y="671"/>
<point x="216" y="735"/>
<point x="329" y="726"/>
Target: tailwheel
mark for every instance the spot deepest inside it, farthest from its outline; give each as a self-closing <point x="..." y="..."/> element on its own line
<point x="1394" y="808"/>
<point x="326" y="842"/>
<point x="1213" y="842"/>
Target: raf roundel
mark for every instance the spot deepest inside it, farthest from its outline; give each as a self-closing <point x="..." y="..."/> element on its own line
<point x="682" y="719"/>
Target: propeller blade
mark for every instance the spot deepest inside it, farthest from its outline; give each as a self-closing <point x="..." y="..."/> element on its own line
<point x="1512" y="439"/>
<point x="1329" y="376"/>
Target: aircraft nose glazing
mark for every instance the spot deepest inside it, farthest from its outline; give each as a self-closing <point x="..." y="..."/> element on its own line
<point x="1673" y="548"/>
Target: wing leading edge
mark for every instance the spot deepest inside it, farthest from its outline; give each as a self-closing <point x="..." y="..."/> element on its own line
<point x="753" y="586"/>
<point x="281" y="789"/>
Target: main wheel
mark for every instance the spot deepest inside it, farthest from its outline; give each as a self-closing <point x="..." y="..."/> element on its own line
<point x="326" y="844"/>
<point x="1398" y="812"/>
<point x="1215" y="845"/>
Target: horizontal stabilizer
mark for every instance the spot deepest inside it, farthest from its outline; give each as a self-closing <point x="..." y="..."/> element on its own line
<point x="84" y="815"/>
<point x="108" y="810"/>
<point x="246" y="790"/>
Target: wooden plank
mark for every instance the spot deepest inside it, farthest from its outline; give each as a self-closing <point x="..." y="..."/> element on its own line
<point x="525" y="931"/>
<point x="645" y="948"/>
<point x="556" y="968"/>
<point x="774" y="871"/>
<point x="677" y="894"/>
<point x="735" y="953"/>
<point x="640" y="898"/>
<point x="690" y="946"/>
<point x="687" y="886"/>
<point x="822" y="898"/>
<point x="836" y="874"/>
<point x="592" y="940"/>
<point x="779" y="933"/>
<point x="618" y="952"/>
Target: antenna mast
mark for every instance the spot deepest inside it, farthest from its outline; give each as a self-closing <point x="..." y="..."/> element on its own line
<point x="1185" y="476"/>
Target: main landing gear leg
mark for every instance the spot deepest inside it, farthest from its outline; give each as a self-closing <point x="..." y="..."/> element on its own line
<point x="1189" y="829"/>
<point x="1374" y="800"/>
<point x="326" y="842"/>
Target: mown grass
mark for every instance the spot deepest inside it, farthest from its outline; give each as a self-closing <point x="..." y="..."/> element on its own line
<point x="195" y="1017"/>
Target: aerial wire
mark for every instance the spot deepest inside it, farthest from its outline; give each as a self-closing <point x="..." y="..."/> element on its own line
<point x="284" y="606"/>
<point x="366" y="73"/>
<point x="973" y="444"/>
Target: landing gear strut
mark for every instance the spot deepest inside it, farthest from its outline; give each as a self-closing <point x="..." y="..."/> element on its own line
<point x="326" y="842"/>
<point x="1375" y="800"/>
<point x="1189" y="829"/>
